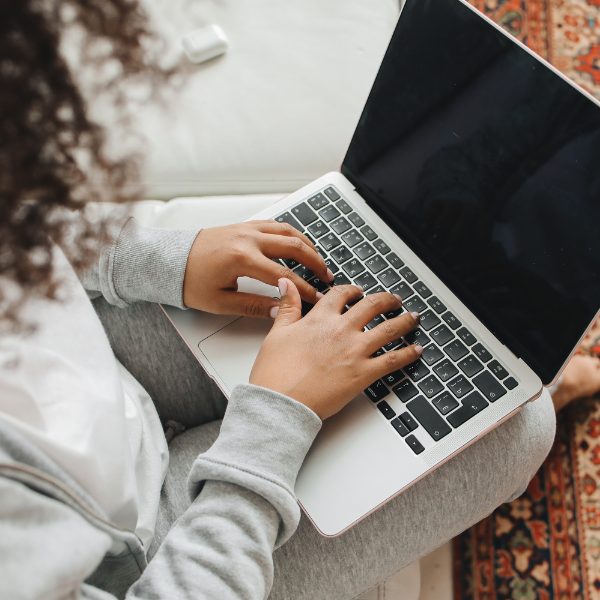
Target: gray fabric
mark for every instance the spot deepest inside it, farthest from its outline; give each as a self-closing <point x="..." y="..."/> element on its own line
<point x="143" y="263"/>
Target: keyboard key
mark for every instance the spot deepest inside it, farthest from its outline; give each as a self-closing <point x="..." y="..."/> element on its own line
<point x="456" y="350"/>
<point x="286" y="217"/>
<point x="430" y="386"/>
<point x="414" y="304"/>
<point x="422" y="289"/>
<point x="381" y="246"/>
<point x="400" y="427"/>
<point x="474" y="403"/>
<point x="460" y="386"/>
<point x="393" y="378"/>
<point x="376" y="290"/>
<point x="331" y="266"/>
<point x="451" y="320"/>
<point x="417" y="336"/>
<point x="432" y="354"/>
<point x="408" y="275"/>
<point x="368" y="233"/>
<point x="445" y="370"/>
<point x="318" y="228"/>
<point x="392" y="314"/>
<point x="290" y="263"/>
<point x="329" y="213"/>
<point x="442" y="335"/>
<point x="482" y="353"/>
<point x="470" y="366"/>
<point x="332" y="194"/>
<point x="376" y="391"/>
<point x="304" y="272"/>
<point x="329" y="242"/>
<point x="321" y="252"/>
<point x="394" y="344"/>
<point x="490" y="387"/>
<point x="445" y="403"/>
<point x="341" y="255"/>
<point x="403" y="290"/>
<point x="386" y="410"/>
<point x="429" y="418"/>
<point x="341" y="225"/>
<point x="429" y="320"/>
<point x="408" y="420"/>
<point x="352" y="238"/>
<point x="310" y="239"/>
<point x="376" y="264"/>
<point x="377" y="353"/>
<point x="436" y="304"/>
<point x="353" y="267"/>
<point x="304" y="213"/>
<point x="497" y="369"/>
<point x="318" y="201"/>
<point x="341" y="279"/>
<point x="344" y="206"/>
<point x="395" y="261"/>
<point x="356" y="219"/>
<point x="466" y="336"/>
<point x="364" y="251"/>
<point x="405" y="390"/>
<point x="375" y="321"/>
<point x="414" y="444"/>
<point x="389" y="277"/>
<point x="319" y="285"/>
<point x="417" y="370"/>
<point x="366" y="281"/>
<point x="511" y="383"/>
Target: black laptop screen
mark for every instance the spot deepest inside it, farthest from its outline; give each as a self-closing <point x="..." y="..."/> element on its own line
<point x="487" y="164"/>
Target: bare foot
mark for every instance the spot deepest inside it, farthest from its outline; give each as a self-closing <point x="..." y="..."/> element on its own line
<point x="581" y="378"/>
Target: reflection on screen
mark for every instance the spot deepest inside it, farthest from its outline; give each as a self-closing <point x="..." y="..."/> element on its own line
<point x="488" y="165"/>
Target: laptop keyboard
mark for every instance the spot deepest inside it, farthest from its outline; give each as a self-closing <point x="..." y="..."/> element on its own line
<point x="455" y="378"/>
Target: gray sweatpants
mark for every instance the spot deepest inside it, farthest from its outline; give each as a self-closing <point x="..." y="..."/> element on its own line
<point x="458" y="494"/>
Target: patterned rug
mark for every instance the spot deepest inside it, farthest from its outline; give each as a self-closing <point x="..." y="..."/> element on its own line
<point x="546" y="544"/>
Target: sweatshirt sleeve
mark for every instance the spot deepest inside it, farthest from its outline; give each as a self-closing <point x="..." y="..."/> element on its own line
<point x="140" y="263"/>
<point x="243" y="504"/>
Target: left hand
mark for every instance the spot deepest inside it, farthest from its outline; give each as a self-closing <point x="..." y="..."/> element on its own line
<point x="220" y="255"/>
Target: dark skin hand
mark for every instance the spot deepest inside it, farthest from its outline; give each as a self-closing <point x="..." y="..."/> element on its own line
<point x="325" y="359"/>
<point x="220" y="255"/>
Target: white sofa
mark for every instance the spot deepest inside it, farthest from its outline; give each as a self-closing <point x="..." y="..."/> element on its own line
<point x="275" y="112"/>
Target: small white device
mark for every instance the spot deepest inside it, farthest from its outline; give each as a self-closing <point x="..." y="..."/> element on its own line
<point x="204" y="44"/>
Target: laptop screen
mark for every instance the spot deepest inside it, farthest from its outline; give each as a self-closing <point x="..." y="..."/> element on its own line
<point x="487" y="164"/>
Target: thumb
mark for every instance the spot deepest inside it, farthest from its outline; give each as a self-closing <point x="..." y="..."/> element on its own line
<point x="290" y="307"/>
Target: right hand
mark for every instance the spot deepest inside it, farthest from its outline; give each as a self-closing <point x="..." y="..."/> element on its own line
<point x="325" y="359"/>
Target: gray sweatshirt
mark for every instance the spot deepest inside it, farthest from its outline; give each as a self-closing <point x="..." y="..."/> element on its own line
<point x="56" y="543"/>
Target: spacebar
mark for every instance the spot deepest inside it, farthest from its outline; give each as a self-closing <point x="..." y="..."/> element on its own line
<point x="436" y="427"/>
<point x="472" y="404"/>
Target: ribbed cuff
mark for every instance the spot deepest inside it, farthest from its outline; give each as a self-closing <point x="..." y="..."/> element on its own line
<point x="262" y="444"/>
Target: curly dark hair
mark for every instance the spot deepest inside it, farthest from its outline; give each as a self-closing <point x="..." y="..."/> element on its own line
<point x="53" y="157"/>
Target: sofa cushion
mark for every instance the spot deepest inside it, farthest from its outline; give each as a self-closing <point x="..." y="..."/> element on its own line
<point x="278" y="109"/>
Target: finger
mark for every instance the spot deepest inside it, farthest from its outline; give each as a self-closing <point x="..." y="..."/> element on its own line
<point x="392" y="361"/>
<point x="338" y="296"/>
<point x="278" y="246"/>
<point x="290" y="306"/>
<point x="286" y="229"/>
<point x="390" y="330"/>
<point x="247" y="305"/>
<point x="269" y="272"/>
<point x="371" y="306"/>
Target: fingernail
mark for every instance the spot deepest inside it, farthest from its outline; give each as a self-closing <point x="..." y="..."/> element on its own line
<point x="282" y="285"/>
<point x="273" y="312"/>
<point x="319" y="295"/>
<point x="360" y="288"/>
<point x="419" y="349"/>
<point x="417" y="317"/>
<point x="330" y="274"/>
<point x="399" y="298"/>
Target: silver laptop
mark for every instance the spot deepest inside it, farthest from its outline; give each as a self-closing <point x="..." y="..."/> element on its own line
<point x="471" y="188"/>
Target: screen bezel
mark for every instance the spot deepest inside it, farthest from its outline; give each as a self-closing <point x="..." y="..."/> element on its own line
<point x="546" y="374"/>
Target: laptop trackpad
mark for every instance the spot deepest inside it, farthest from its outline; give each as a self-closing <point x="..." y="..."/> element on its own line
<point x="233" y="350"/>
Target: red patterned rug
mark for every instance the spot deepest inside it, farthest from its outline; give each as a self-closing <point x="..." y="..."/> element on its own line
<point x="546" y="544"/>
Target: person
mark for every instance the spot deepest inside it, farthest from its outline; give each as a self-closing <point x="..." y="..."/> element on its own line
<point x="93" y="501"/>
